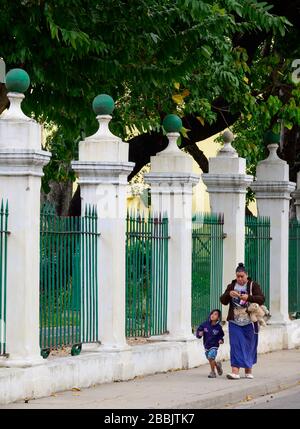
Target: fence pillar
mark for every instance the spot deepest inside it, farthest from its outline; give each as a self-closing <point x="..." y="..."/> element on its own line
<point x="102" y="172"/>
<point x="296" y="195"/>
<point x="226" y="183"/>
<point x="21" y="163"/>
<point x="171" y="181"/>
<point x="272" y="189"/>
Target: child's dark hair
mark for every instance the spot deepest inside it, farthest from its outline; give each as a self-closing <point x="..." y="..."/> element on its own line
<point x="217" y="310"/>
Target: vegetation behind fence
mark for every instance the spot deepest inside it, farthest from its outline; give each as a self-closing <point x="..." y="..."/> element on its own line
<point x="68" y="280"/>
<point x="146" y="275"/>
<point x="294" y="267"/>
<point x="207" y="265"/>
<point x="257" y="252"/>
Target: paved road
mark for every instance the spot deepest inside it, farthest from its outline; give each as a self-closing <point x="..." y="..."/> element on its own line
<point x="286" y="399"/>
<point x="181" y="389"/>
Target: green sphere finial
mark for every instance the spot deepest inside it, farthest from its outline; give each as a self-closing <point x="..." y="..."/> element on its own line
<point x="17" y="80"/>
<point x="172" y="124"/>
<point x="271" y="138"/>
<point x="103" y="104"/>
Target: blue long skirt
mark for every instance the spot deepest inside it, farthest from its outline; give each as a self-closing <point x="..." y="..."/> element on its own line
<point x="243" y="345"/>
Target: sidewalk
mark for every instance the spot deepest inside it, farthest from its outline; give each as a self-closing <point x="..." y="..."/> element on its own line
<point x="181" y="389"/>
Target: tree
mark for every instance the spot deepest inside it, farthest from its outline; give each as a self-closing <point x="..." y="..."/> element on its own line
<point x="154" y="57"/>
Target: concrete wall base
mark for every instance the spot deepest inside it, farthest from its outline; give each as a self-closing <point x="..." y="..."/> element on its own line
<point x="90" y="368"/>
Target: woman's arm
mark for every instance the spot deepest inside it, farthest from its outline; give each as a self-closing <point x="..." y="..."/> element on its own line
<point x="221" y="336"/>
<point x="257" y="295"/>
<point x="225" y="298"/>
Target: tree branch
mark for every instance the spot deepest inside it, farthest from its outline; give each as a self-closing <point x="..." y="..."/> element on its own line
<point x="142" y="147"/>
<point x="4" y="102"/>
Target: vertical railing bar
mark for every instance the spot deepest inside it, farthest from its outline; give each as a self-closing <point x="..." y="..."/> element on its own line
<point x="72" y="278"/>
<point x="58" y="280"/>
<point x="2" y="285"/>
<point x="150" y="283"/>
<point x="54" y="238"/>
<point x="68" y="255"/>
<point x="5" y="275"/>
<point x="147" y="279"/>
<point x="93" y="302"/>
<point x="140" y="275"/>
<point x="64" y="278"/>
<point x="50" y="223"/>
<point x="78" y="283"/>
<point x="126" y="280"/>
<point x="143" y="289"/>
<point x="166" y="270"/>
<point x="89" y="275"/>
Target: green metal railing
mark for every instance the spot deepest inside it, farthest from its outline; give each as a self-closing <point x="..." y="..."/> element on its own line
<point x="68" y="280"/>
<point x="294" y="267"/>
<point x="3" y="274"/>
<point x="207" y="265"/>
<point x="146" y="275"/>
<point x="257" y="252"/>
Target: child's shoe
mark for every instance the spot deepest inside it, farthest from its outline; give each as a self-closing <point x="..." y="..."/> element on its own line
<point x="219" y="368"/>
<point x="212" y="374"/>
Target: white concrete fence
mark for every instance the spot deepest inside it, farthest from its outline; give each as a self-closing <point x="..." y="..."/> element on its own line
<point x="102" y="171"/>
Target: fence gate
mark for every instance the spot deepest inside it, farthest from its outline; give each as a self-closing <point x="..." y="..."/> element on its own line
<point x="257" y="252"/>
<point x="146" y="275"/>
<point x="68" y="280"/>
<point x="3" y="272"/>
<point x="207" y="265"/>
<point x="294" y="268"/>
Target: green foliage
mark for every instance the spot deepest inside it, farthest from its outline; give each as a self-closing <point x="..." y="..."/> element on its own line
<point x="274" y="99"/>
<point x="64" y="150"/>
<point x="153" y="57"/>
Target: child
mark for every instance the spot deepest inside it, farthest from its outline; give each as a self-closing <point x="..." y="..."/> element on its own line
<point x="213" y="335"/>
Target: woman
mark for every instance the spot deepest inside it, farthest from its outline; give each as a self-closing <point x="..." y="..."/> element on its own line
<point x="243" y="334"/>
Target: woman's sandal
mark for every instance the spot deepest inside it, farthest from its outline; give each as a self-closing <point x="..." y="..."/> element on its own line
<point x="233" y="376"/>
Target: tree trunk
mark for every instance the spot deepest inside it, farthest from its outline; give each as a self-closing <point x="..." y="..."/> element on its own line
<point x="4" y="102"/>
<point x="60" y="196"/>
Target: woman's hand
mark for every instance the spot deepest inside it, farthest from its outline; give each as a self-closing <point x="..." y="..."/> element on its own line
<point x="234" y="294"/>
<point x="244" y="296"/>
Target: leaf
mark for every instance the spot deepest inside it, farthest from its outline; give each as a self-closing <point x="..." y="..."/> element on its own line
<point x="177" y="98"/>
<point x="185" y="93"/>
<point x="201" y="120"/>
<point x="184" y="132"/>
<point x="206" y="51"/>
<point x="76" y="389"/>
<point x="154" y="37"/>
<point x="288" y="125"/>
<point x="245" y="79"/>
<point x="177" y="85"/>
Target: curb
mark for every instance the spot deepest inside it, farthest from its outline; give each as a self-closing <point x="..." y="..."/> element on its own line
<point x="228" y="397"/>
